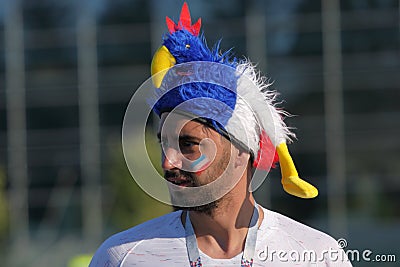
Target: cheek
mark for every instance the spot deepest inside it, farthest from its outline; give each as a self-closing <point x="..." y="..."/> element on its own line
<point x="214" y="169"/>
<point x="203" y="169"/>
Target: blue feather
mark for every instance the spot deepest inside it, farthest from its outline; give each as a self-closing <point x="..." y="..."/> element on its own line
<point x="186" y="47"/>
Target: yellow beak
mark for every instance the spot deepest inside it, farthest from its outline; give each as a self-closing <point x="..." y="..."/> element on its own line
<point x="162" y="61"/>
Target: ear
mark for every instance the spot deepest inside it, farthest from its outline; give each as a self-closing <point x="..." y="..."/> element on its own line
<point x="242" y="158"/>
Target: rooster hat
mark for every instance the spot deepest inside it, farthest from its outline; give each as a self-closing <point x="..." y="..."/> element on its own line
<point x="248" y="101"/>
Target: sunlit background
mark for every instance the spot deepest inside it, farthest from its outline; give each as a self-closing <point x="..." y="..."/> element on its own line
<point x="69" y="68"/>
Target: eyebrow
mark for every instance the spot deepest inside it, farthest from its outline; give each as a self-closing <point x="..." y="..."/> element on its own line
<point x="184" y="137"/>
<point x="189" y="138"/>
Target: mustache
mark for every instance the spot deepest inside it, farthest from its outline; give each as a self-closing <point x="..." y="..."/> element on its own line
<point x="179" y="174"/>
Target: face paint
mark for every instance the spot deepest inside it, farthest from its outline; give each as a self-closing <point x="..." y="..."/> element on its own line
<point x="201" y="159"/>
<point x="200" y="164"/>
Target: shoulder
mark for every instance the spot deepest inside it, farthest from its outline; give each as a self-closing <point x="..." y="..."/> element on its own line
<point x="296" y="231"/>
<point x="295" y="239"/>
<point x="114" y="249"/>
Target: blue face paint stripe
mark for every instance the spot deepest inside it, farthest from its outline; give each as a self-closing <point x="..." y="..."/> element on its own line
<point x="197" y="161"/>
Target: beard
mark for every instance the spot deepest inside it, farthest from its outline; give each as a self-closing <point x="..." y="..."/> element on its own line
<point x="208" y="208"/>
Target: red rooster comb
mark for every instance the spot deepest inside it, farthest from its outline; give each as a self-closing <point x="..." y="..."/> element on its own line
<point x="185" y="22"/>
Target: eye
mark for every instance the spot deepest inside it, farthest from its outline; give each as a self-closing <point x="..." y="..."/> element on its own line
<point x="187" y="46"/>
<point x="187" y="144"/>
<point x="188" y="147"/>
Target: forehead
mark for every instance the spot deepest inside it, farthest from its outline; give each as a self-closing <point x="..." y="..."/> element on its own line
<point x="177" y="124"/>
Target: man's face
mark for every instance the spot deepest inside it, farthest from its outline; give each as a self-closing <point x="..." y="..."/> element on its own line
<point x="192" y="153"/>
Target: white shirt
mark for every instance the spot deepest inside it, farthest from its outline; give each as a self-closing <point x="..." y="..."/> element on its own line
<point x="281" y="241"/>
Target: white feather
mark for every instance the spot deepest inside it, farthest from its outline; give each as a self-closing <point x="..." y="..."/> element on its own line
<point x="256" y="110"/>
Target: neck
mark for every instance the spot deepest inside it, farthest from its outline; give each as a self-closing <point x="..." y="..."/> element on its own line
<point x="223" y="234"/>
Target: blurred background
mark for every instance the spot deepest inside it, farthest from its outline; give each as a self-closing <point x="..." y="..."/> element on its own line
<point x="69" y="68"/>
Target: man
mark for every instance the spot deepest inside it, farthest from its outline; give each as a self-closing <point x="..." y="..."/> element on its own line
<point x="218" y="128"/>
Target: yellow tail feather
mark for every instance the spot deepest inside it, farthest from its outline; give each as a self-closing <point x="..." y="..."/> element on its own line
<point x="291" y="181"/>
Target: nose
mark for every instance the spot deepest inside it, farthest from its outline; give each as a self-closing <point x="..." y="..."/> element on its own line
<point x="171" y="159"/>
